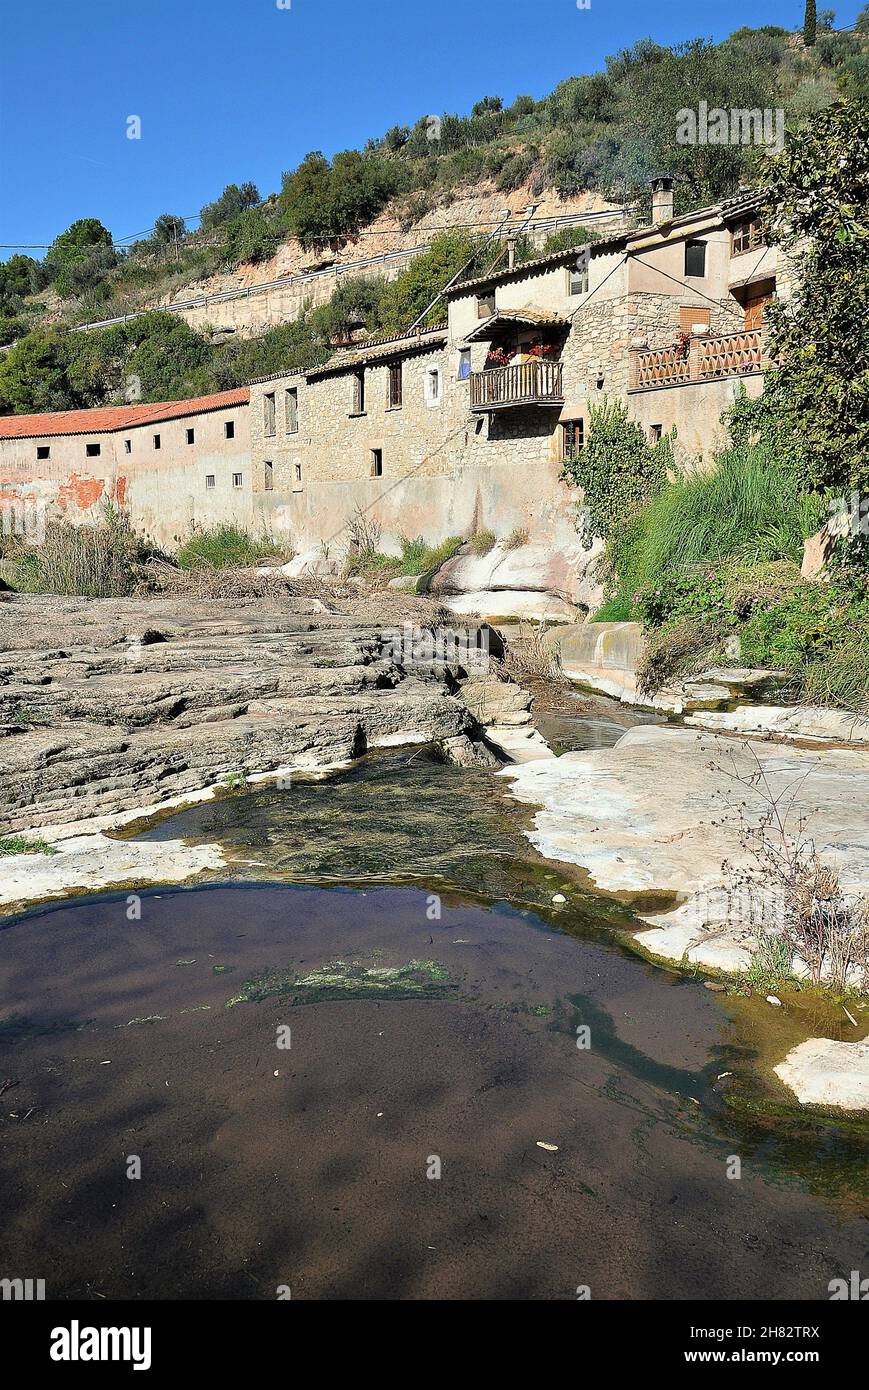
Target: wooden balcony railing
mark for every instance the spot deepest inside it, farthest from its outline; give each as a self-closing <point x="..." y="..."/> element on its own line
<point x="702" y="359"/>
<point x="526" y="383"/>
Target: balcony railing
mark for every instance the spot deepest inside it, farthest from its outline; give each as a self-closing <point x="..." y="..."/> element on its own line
<point x="526" y="383"/>
<point x="702" y="359"/>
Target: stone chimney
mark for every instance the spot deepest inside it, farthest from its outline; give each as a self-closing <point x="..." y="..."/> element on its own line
<point x="662" y="199"/>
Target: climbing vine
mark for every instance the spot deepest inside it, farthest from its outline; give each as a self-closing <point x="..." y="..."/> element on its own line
<point x="618" y="470"/>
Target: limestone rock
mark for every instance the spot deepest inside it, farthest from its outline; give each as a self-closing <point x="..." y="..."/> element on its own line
<point x="823" y="1072"/>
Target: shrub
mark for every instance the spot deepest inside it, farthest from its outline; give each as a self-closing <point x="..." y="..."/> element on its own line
<point x="482" y="542"/>
<point x="225" y="547"/>
<point x="93" y="561"/>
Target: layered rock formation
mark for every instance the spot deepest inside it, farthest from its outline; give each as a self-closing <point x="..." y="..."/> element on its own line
<point x="111" y="706"/>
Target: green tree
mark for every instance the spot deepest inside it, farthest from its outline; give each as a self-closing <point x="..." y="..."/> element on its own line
<point x="81" y="256"/>
<point x="33" y="375"/>
<point x="232" y="201"/>
<point x="810" y="23"/>
<point x="168" y="229"/>
<point x="817" y="208"/>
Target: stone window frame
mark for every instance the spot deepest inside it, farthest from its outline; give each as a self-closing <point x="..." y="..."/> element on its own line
<point x="395" y="379"/>
<point x="291" y="409"/>
<point x="357" y="386"/>
<point x="269" y="415"/>
<point x="376" y="463"/>
<point x="268" y="476"/>
<point x="464" y="356"/>
<point x="433" y="398"/>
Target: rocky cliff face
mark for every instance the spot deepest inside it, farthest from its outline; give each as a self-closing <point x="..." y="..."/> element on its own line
<point x="111" y="706"/>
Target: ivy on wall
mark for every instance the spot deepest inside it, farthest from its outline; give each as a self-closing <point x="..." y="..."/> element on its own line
<point x="618" y="470"/>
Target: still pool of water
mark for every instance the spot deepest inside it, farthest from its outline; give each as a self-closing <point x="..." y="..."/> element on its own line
<point x="393" y="927"/>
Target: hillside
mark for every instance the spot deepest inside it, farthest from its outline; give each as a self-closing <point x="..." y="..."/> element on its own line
<point x="590" y="144"/>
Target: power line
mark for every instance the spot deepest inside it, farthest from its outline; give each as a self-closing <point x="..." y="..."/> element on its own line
<point x="569" y="218"/>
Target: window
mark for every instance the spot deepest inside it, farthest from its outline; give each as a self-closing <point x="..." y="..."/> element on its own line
<point x="689" y="316"/>
<point x="746" y="236"/>
<point x="572" y="438"/>
<point x="128" y="446"/>
<point x="92" y="450"/>
<point x="695" y="258"/>
<point x="433" y="385"/>
<point x="268" y="477"/>
<point x="394" y="387"/>
<point x="292" y="408"/>
<point x="359" y="393"/>
<point x="578" y="275"/>
<point x="377" y="463"/>
<point x="156" y="441"/>
<point x="486" y="305"/>
<point x="269" y="413"/>
<point x="229" y="429"/>
<point x="43" y="451"/>
<point x="237" y="480"/>
<point x="209" y="481"/>
<point x="191" y="436"/>
<point x="655" y="432"/>
<point x="298" y="472"/>
<point x="464" y="363"/>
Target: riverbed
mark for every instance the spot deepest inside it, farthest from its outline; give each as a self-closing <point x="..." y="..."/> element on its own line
<point x="381" y="1063"/>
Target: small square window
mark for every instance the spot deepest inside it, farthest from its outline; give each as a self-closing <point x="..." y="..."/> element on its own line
<point x="209" y="481"/>
<point x="578" y="275"/>
<point x="268" y="477"/>
<point x="156" y="441"/>
<point x="695" y="258"/>
<point x="43" y="451"/>
<point x="237" y="480"/>
<point x="93" y="450"/>
<point x="191" y="436"/>
<point x="377" y="463"/>
<point x="128" y="446"/>
<point x="229" y="429"/>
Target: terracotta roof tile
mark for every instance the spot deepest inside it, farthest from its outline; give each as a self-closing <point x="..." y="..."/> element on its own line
<point x="107" y="419"/>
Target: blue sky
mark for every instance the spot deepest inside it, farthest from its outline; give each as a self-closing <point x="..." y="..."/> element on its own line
<point x="229" y="90"/>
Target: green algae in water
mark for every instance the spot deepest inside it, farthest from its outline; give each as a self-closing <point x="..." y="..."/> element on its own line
<point x="340" y="979"/>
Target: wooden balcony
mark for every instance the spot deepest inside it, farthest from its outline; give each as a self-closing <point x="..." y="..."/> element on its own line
<point x="526" y="383"/>
<point x="702" y="359"/>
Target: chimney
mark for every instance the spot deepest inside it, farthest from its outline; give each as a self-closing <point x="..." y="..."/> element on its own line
<point x="662" y="199"/>
<point x="511" y="253"/>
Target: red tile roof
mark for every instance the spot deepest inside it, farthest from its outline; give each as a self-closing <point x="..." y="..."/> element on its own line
<point x="106" y="419"/>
